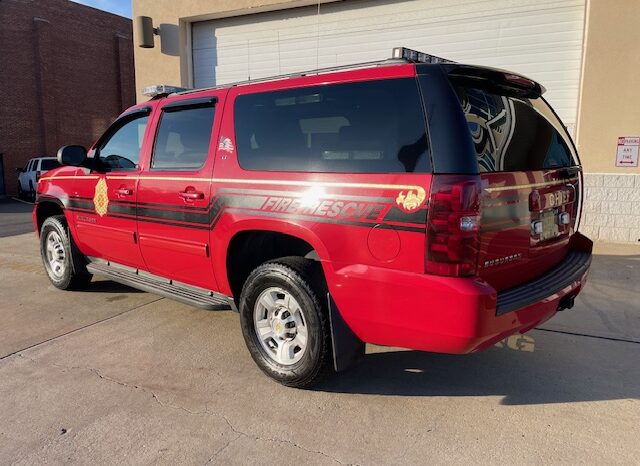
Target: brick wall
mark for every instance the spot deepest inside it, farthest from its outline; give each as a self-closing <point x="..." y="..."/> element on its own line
<point x="611" y="210"/>
<point x="67" y="72"/>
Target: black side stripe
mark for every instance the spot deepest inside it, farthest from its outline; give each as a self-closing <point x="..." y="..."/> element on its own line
<point x="418" y="217"/>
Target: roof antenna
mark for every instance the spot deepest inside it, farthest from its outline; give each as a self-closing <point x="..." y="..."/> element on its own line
<point x="248" y="59"/>
<point x="318" y="37"/>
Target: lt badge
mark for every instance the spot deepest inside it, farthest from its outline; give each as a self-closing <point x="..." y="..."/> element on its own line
<point x="412" y="200"/>
<point x="100" y="198"/>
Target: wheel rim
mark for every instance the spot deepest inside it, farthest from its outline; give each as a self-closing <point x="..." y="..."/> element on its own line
<point x="280" y="325"/>
<point x="55" y="254"/>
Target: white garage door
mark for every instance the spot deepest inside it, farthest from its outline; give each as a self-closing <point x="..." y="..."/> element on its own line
<point x="539" y="38"/>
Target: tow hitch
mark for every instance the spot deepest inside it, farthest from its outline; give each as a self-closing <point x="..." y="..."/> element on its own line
<point x="566" y="302"/>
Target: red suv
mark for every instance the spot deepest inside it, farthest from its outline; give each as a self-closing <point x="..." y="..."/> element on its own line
<point x="412" y="202"/>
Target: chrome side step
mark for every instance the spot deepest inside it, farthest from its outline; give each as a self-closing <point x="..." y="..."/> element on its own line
<point x="145" y="281"/>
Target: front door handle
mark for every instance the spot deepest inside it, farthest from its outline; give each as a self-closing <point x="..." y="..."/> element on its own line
<point x="190" y="195"/>
<point x="124" y="192"/>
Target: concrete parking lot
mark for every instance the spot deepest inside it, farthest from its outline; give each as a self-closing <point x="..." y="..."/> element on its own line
<point x="113" y="375"/>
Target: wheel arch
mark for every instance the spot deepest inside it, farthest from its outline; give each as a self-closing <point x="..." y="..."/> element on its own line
<point x="252" y="243"/>
<point x="47" y="208"/>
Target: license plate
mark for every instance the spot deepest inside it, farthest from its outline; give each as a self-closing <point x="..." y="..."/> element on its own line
<point x="549" y="225"/>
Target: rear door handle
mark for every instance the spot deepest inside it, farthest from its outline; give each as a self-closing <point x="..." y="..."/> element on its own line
<point x="191" y="195"/>
<point x="124" y="192"/>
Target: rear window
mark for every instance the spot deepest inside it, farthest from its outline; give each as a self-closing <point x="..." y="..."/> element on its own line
<point x="367" y="127"/>
<point x="49" y="164"/>
<point x="513" y="134"/>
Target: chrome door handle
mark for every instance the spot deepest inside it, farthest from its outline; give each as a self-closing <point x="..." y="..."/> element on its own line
<point x="191" y="195"/>
<point x="124" y="191"/>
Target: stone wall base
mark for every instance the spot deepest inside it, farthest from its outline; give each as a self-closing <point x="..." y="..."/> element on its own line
<point x="611" y="210"/>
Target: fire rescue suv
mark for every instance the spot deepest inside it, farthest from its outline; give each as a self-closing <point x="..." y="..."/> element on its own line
<point x="411" y="202"/>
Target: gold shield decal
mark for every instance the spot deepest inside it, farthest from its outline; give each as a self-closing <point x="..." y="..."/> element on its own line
<point x="412" y="200"/>
<point x="100" y="198"/>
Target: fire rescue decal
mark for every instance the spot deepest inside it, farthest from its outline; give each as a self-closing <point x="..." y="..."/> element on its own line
<point x="101" y="198"/>
<point x="325" y="208"/>
<point x="309" y="205"/>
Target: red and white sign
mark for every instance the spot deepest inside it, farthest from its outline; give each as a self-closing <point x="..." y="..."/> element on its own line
<point x="627" y="152"/>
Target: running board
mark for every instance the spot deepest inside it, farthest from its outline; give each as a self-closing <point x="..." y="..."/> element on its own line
<point x="145" y="281"/>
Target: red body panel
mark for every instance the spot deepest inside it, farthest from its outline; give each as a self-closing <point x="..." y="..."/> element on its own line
<point x="373" y="258"/>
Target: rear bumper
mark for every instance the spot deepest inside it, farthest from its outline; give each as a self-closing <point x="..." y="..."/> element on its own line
<point x="451" y="315"/>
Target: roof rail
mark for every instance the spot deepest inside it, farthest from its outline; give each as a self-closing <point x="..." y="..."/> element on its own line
<point x="399" y="55"/>
<point x="297" y="74"/>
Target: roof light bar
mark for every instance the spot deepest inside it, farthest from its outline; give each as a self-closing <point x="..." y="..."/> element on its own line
<point x="417" y="57"/>
<point x="157" y="89"/>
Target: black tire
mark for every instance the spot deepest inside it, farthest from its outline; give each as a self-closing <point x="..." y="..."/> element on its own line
<point x="74" y="274"/>
<point x="32" y="192"/>
<point x="20" y="191"/>
<point x="303" y="280"/>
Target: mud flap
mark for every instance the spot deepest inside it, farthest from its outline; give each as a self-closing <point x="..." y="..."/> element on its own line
<point x="347" y="347"/>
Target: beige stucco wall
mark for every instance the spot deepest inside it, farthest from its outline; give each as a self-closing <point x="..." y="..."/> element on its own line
<point x="610" y="100"/>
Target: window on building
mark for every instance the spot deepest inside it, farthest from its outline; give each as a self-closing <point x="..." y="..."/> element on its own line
<point x="366" y="127"/>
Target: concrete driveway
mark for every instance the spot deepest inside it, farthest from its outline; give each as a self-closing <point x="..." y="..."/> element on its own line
<point x="113" y="375"/>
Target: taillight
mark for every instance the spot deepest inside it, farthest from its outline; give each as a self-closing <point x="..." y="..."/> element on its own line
<point x="454" y="223"/>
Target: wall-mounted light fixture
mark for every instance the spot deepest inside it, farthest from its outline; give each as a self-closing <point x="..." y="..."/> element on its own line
<point x="146" y="31"/>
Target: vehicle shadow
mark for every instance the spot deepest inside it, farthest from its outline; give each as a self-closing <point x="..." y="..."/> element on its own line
<point x="562" y="369"/>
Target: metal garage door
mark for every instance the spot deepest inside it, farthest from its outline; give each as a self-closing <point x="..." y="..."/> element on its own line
<point x="539" y="38"/>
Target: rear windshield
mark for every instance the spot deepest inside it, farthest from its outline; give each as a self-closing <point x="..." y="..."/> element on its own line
<point x="363" y="127"/>
<point x="48" y="164"/>
<point x="513" y="133"/>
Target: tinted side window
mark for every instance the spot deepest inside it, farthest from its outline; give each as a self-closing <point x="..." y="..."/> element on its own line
<point x="182" y="139"/>
<point x="48" y="164"/>
<point x="368" y="127"/>
<point x="511" y="134"/>
<point x="121" y="149"/>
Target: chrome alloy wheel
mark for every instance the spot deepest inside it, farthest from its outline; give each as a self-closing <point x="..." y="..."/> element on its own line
<point x="55" y="254"/>
<point x="280" y="326"/>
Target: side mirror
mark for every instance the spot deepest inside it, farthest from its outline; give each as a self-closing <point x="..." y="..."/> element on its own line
<point x="19" y="169"/>
<point x="72" y="155"/>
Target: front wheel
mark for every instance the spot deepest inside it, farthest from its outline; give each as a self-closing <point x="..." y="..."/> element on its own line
<point x="63" y="262"/>
<point x="284" y="324"/>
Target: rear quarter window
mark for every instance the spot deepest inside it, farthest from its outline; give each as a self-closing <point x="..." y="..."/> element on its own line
<point x="48" y="164"/>
<point x="514" y="134"/>
<point x="364" y="127"/>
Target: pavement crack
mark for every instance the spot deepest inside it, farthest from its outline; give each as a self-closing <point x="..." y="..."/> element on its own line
<point x="249" y="435"/>
<point x="222" y="448"/>
<point x="586" y="335"/>
<point x="206" y="412"/>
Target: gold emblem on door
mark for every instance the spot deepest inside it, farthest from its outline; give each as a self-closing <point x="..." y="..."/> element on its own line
<point x="101" y="198"/>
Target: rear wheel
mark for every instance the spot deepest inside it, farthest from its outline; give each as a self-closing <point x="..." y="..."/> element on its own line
<point x="32" y="191"/>
<point x="64" y="263"/>
<point x="284" y="324"/>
